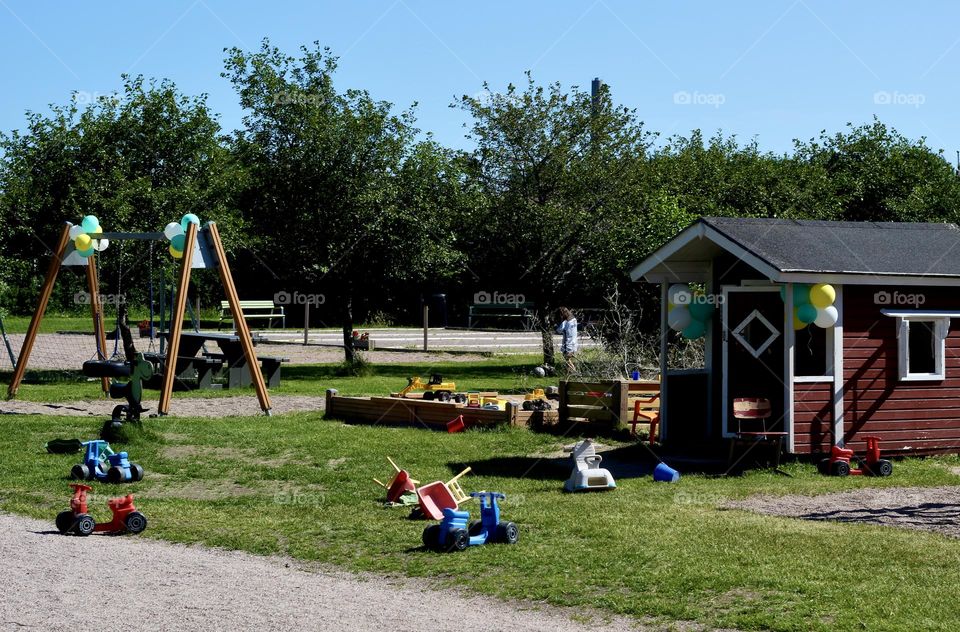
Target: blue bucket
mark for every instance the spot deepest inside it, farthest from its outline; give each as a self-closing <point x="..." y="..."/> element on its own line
<point x="663" y="473"/>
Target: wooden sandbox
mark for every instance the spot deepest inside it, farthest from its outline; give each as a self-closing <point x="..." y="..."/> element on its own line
<point x="433" y="414"/>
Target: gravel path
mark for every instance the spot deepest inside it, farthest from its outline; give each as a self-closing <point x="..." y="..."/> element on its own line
<point x="55" y="582"/>
<point x="925" y="508"/>
<point x="246" y="405"/>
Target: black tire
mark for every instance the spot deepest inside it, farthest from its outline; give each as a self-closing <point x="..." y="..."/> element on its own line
<point x="824" y="466"/>
<point x="64" y="521"/>
<point x="507" y="533"/>
<point x="80" y="472"/>
<point x="83" y="524"/>
<point x="883" y="467"/>
<point x="527" y="405"/>
<point x="429" y="395"/>
<point x="115" y="475"/>
<point x="136" y="522"/>
<point x="457" y="540"/>
<point x="443" y="396"/>
<point x="431" y="537"/>
<point x="841" y="468"/>
<point x="136" y="472"/>
<point x="460" y="398"/>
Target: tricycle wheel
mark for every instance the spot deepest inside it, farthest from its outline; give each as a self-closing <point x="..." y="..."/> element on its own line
<point x="136" y="522"/>
<point x="136" y="472"/>
<point x="507" y="533"/>
<point x="80" y="472"/>
<point x="83" y="524"/>
<point x="115" y="475"/>
<point x="883" y="467"/>
<point x="457" y="540"/>
<point x="64" y="521"/>
<point x="431" y="537"/>
<point x="824" y="466"/>
<point x="841" y="468"/>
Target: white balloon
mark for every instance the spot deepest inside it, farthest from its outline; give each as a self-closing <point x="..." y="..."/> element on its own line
<point x="172" y="230"/>
<point x="102" y="244"/>
<point x="679" y="317"/>
<point x="75" y="231"/>
<point x="826" y="316"/>
<point x="679" y="294"/>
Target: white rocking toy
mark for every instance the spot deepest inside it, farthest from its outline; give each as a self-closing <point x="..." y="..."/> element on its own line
<point x="587" y="475"/>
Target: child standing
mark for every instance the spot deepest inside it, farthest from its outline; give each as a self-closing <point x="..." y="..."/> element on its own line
<point x="568" y="328"/>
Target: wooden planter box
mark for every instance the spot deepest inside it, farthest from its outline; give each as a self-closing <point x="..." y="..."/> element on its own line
<point x="432" y="414"/>
<point x="604" y="405"/>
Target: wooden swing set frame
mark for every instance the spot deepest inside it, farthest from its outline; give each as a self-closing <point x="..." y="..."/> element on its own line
<point x="205" y="242"/>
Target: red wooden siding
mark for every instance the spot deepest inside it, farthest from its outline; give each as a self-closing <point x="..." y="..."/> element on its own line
<point x="812" y="416"/>
<point x="915" y="416"/>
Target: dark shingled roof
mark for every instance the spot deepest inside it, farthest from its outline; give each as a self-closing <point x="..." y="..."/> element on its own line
<point x="892" y="248"/>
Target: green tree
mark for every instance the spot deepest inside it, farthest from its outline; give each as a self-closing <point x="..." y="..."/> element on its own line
<point x="557" y="168"/>
<point x="351" y="201"/>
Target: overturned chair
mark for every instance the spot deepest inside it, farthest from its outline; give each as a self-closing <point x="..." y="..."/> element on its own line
<point x="587" y="474"/>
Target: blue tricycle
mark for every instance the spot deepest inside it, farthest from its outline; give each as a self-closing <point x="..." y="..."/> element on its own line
<point x="455" y="532"/>
<point x="103" y="464"/>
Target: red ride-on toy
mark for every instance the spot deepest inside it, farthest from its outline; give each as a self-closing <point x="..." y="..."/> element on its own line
<point x="872" y="465"/>
<point x="77" y="521"/>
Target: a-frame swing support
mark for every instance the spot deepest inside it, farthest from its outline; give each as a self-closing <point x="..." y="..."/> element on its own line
<point x="62" y="256"/>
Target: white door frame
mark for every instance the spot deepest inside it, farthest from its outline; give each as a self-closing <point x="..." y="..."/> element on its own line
<point x="726" y="334"/>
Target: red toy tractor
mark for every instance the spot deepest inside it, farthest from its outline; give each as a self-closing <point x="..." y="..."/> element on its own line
<point x="839" y="462"/>
<point x="77" y="521"/>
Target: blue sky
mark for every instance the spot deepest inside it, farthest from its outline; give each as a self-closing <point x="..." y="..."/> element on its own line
<point x="774" y="70"/>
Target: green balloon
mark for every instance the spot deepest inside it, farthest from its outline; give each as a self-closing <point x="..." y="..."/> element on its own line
<point x="694" y="330"/>
<point x="701" y="311"/>
<point x="806" y="313"/>
<point x="801" y="295"/>
<point x="783" y="293"/>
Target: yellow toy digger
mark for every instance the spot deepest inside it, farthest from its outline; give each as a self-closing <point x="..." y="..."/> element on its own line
<point x="537" y="400"/>
<point x="436" y="388"/>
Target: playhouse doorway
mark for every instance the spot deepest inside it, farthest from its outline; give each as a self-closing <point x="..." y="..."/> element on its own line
<point x="752" y="337"/>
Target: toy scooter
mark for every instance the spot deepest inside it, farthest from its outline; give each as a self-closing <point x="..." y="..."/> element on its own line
<point x="587" y="474"/>
<point x="456" y="533"/>
<point x="77" y="521"/>
<point x="839" y="462"/>
<point x="103" y="464"/>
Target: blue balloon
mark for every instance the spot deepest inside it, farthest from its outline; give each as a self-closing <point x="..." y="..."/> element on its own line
<point x="178" y="242"/>
<point x="806" y="313"/>
<point x="188" y="219"/>
<point x="89" y="224"/>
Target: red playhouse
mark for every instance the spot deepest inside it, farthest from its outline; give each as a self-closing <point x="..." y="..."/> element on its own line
<point x="815" y="333"/>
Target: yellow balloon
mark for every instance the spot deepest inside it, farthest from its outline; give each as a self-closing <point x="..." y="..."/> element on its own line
<point x="822" y="295"/>
<point x="177" y="254"/>
<point x="670" y="307"/>
<point x="797" y="323"/>
<point x="83" y="242"/>
<point x="98" y="230"/>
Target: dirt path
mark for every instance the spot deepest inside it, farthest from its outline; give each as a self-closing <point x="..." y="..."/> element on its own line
<point x="180" y="407"/>
<point x="55" y="582"/>
<point x="925" y="508"/>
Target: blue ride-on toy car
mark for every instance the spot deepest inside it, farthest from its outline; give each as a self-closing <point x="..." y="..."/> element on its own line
<point x="103" y="464"/>
<point x="455" y="532"/>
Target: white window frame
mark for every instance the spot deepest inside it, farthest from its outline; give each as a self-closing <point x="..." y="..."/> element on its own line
<point x="830" y="351"/>
<point x="941" y="325"/>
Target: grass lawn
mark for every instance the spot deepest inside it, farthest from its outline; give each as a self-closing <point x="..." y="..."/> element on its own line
<point x="300" y="486"/>
<point x="504" y="373"/>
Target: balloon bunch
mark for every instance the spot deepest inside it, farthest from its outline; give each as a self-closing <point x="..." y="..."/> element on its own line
<point x="176" y="234"/>
<point x="84" y="236"/>
<point x="688" y="311"/>
<point x="812" y="304"/>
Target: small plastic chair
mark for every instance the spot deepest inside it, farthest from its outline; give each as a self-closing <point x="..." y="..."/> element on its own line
<point x="753" y="409"/>
<point x="400" y="484"/>
<point x="650" y="416"/>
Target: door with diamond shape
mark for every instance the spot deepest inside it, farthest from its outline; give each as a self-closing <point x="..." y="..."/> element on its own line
<point x="753" y="351"/>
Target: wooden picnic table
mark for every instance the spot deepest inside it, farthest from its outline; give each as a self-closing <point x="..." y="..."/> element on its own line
<point x="193" y="343"/>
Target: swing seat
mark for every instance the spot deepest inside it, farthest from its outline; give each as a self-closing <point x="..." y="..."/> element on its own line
<point x="106" y="368"/>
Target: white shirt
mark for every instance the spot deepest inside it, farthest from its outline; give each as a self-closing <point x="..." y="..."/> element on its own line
<point x="569" y="330"/>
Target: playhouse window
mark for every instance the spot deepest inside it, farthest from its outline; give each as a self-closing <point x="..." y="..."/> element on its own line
<point x="922" y="349"/>
<point x="813" y="352"/>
